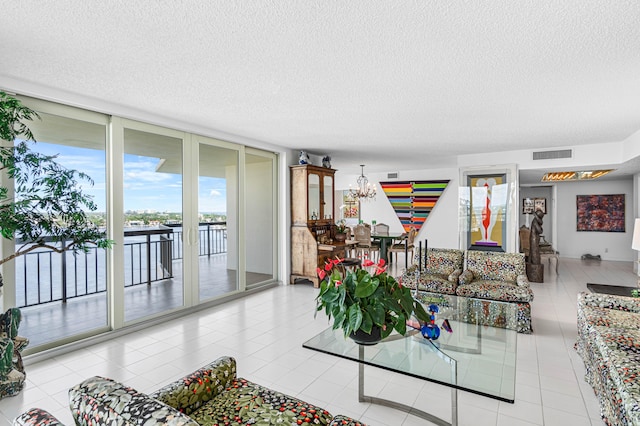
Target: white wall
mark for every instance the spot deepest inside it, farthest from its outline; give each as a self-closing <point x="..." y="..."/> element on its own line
<point x="441" y="227"/>
<point x="609" y="245"/>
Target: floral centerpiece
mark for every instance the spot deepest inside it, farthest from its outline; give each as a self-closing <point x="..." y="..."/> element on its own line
<point x="360" y="301"/>
<point x="341" y="230"/>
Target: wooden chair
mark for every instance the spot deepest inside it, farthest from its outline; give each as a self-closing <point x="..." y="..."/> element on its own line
<point x="382" y="229"/>
<point x="405" y="245"/>
<point x="362" y="234"/>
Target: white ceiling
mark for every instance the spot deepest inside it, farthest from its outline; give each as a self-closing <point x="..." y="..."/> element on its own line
<point x="390" y="84"/>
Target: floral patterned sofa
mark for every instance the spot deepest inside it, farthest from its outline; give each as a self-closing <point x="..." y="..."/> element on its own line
<point x="609" y="344"/>
<point x="212" y="395"/>
<point x="440" y="273"/>
<point x="498" y="276"/>
<point x="480" y="275"/>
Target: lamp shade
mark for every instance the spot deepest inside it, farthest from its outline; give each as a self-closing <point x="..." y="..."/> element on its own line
<point x="635" y="243"/>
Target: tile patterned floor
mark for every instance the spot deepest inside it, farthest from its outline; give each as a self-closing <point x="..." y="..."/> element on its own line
<point x="265" y="332"/>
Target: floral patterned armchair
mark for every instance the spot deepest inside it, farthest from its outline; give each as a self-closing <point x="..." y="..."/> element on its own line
<point x="498" y="276"/>
<point x="211" y="395"/>
<point x="608" y="343"/>
<point x="439" y="275"/>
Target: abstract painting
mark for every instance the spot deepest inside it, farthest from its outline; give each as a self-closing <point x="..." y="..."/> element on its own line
<point x="600" y="213"/>
<point x="413" y="200"/>
<point x="487" y="225"/>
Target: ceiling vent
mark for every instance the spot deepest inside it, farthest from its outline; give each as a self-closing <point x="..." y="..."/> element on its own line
<point x="393" y="175"/>
<point x="552" y="155"/>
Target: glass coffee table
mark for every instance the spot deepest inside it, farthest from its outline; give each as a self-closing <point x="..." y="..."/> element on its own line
<point x="472" y="357"/>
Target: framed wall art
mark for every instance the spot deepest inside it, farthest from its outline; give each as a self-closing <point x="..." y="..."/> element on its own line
<point x="488" y="206"/>
<point x="600" y="213"/>
<point x="527" y="206"/>
<point x="351" y="207"/>
<point x="540" y="204"/>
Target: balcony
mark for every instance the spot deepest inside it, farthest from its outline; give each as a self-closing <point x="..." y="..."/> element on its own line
<point x="64" y="294"/>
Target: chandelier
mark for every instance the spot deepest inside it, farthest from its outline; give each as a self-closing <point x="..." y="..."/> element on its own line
<point x="364" y="190"/>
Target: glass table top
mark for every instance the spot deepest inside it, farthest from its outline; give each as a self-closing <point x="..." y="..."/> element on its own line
<point x="472" y="357"/>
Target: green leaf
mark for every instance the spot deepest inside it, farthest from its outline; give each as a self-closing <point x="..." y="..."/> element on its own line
<point x="377" y="313"/>
<point x="354" y="316"/>
<point x="366" y="287"/>
<point x="367" y="322"/>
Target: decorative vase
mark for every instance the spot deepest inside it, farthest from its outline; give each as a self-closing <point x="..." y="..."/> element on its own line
<point x="341" y="237"/>
<point x="362" y="338"/>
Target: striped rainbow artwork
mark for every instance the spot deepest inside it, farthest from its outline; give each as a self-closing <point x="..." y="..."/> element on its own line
<point x="413" y="200"/>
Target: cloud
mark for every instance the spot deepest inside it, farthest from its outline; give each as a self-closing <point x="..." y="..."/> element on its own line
<point x="215" y="193"/>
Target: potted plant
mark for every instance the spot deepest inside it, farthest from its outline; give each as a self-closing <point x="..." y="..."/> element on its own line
<point x="341" y="231"/>
<point x="367" y="306"/>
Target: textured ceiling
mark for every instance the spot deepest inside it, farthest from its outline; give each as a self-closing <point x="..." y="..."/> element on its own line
<point x="391" y="84"/>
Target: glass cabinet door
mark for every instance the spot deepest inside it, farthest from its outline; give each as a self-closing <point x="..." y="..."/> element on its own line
<point x="328" y="197"/>
<point x="314" y="197"/>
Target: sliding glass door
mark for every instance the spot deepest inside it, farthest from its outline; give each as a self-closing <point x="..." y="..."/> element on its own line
<point x="153" y="237"/>
<point x="260" y="213"/>
<point x="63" y="296"/>
<point x="217" y="218"/>
<point x="193" y="219"/>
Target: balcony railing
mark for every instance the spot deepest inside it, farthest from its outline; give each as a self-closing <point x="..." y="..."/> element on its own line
<point x="44" y="276"/>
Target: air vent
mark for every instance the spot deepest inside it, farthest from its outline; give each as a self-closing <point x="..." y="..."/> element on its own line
<point x="550" y="155"/>
<point x="393" y="175"/>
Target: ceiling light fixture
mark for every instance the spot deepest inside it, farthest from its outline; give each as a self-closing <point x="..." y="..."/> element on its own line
<point x="365" y="190"/>
<point x="574" y="175"/>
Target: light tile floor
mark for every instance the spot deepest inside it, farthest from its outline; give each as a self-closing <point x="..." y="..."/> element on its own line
<point x="265" y="332"/>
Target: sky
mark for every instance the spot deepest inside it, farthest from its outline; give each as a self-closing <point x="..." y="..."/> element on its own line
<point x="144" y="188"/>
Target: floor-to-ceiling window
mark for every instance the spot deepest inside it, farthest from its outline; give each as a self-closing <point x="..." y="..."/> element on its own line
<point x="217" y="218"/>
<point x="193" y="219"/>
<point x="72" y="285"/>
<point x="260" y="212"/>
<point x="153" y="248"/>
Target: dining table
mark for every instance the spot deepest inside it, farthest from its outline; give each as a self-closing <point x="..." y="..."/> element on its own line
<point x="386" y="240"/>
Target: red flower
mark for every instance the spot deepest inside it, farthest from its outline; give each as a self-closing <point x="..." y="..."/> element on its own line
<point x="367" y="262"/>
<point x="321" y="273"/>
<point x="338" y="283"/>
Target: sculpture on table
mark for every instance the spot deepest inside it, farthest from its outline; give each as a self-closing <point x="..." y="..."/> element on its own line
<point x="535" y="268"/>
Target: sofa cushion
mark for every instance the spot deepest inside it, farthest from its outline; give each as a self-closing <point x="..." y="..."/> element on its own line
<point x="244" y="402"/>
<point x="36" y="417"/>
<point x="441" y="261"/>
<point x="496" y="290"/>
<point x="604" y="317"/>
<point x="495" y="266"/>
<point x="102" y="401"/>
<point x="436" y="284"/>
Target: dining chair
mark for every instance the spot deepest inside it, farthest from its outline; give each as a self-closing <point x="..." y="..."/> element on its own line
<point x="362" y="235"/>
<point x="382" y="229"/>
<point x="405" y="245"/>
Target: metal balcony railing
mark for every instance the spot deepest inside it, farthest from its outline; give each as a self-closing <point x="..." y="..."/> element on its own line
<point x="44" y="276"/>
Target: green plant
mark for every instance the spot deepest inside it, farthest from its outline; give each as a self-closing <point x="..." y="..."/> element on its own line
<point x="341" y="226"/>
<point x="358" y="300"/>
<point x="47" y="205"/>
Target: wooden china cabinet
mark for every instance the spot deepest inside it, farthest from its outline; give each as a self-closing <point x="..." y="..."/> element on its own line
<point x="312" y="221"/>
